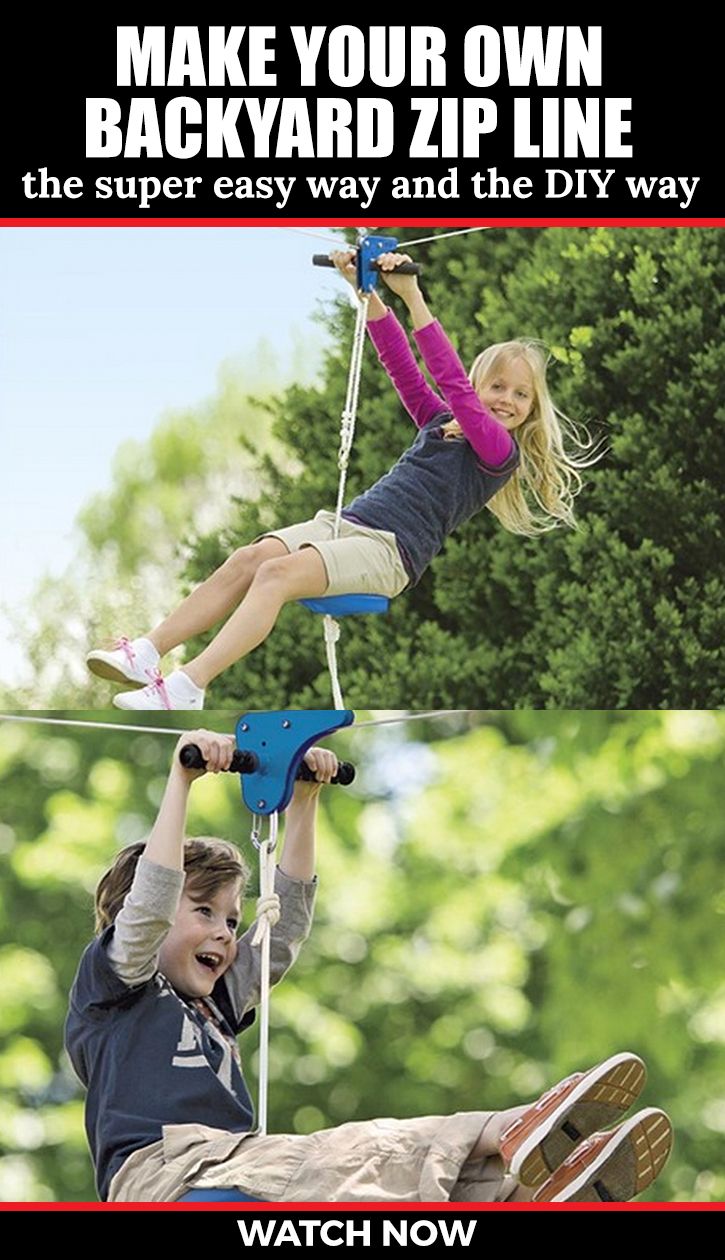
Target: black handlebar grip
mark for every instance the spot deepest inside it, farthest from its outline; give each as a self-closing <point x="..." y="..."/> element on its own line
<point x="247" y="762"/>
<point x="345" y="774"/>
<point x="242" y="762"/>
<point x="405" y="269"/>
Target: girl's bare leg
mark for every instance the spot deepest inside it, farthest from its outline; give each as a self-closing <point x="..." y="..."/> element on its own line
<point x="301" y="575"/>
<point x="216" y="597"/>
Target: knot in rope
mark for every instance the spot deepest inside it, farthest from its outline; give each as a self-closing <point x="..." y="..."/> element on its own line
<point x="332" y="629"/>
<point x="269" y="910"/>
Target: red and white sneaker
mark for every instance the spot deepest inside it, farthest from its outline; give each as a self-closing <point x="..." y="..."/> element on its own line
<point x="613" y="1167"/>
<point x="540" y="1140"/>
<point x="130" y="660"/>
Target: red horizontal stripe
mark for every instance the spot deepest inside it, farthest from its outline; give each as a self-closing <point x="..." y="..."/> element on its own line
<point x="433" y="223"/>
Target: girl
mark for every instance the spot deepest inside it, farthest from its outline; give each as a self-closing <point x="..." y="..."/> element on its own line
<point x="486" y="442"/>
<point x="165" y="988"/>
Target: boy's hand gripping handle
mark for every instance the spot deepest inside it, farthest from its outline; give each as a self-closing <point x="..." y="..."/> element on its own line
<point x="247" y="763"/>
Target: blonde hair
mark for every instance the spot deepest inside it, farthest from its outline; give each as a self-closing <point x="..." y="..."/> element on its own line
<point x="549" y="468"/>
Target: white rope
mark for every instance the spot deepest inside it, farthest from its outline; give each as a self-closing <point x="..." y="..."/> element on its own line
<point x="349" y="413"/>
<point x="331" y="627"/>
<point x="268" y="910"/>
<point x="267" y="851"/>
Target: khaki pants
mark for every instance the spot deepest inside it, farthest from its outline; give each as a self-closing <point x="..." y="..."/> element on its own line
<point x="361" y="561"/>
<point x="385" y="1161"/>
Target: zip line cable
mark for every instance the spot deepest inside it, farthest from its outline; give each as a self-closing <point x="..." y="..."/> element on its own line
<point x="331" y="240"/>
<point x="440" y="236"/>
<point x="424" y="715"/>
<point x="421" y="240"/>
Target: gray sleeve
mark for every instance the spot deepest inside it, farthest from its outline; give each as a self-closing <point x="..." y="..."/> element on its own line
<point x="288" y="936"/>
<point x="144" y="921"/>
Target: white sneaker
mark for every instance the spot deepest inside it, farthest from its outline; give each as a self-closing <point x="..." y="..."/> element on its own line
<point x="175" y="692"/>
<point x="131" y="660"/>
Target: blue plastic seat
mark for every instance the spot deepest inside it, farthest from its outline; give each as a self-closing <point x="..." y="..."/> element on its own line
<point x="347" y="605"/>
<point x="217" y="1196"/>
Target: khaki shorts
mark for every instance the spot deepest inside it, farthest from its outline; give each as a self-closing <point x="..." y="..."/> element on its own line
<point x="361" y="561"/>
<point x="388" y="1161"/>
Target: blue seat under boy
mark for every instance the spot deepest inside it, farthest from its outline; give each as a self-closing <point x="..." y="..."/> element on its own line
<point x="217" y="1196"/>
<point x="347" y="605"/>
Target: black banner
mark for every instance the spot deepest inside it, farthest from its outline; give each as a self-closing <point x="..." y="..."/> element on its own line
<point x="456" y="1230"/>
<point x="455" y="122"/>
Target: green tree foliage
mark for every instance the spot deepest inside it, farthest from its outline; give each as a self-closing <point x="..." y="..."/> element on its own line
<point x="504" y="898"/>
<point x="628" y="611"/>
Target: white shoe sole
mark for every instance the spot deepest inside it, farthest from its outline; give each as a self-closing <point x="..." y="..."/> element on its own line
<point x="103" y="665"/>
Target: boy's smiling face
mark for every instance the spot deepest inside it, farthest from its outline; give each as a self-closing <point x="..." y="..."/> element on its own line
<point x="202" y="943"/>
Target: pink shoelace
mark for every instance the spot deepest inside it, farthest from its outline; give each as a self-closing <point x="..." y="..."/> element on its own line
<point x="158" y="685"/>
<point x="124" y="645"/>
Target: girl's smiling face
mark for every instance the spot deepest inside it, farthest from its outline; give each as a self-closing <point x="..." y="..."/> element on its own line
<point x="509" y="393"/>
<point x="202" y="943"/>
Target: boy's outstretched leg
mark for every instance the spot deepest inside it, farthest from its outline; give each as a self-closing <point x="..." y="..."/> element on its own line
<point x="276" y="582"/>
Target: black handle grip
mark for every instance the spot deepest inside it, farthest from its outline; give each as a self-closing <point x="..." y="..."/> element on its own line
<point x="247" y="762"/>
<point x="405" y="269"/>
<point x="242" y="762"/>
<point x="344" y="777"/>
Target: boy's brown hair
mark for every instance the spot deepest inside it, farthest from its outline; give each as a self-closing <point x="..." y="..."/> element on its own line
<point x="209" y="865"/>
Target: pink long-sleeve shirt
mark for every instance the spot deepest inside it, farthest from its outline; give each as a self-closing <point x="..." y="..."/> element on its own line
<point x="437" y="484"/>
<point x="488" y="437"/>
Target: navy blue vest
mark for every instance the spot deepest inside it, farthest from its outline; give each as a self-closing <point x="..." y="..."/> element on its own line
<point x="436" y="485"/>
<point x="148" y="1058"/>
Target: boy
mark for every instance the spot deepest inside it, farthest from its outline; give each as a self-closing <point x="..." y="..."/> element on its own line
<point x="165" y="988"/>
<point x="163" y="991"/>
